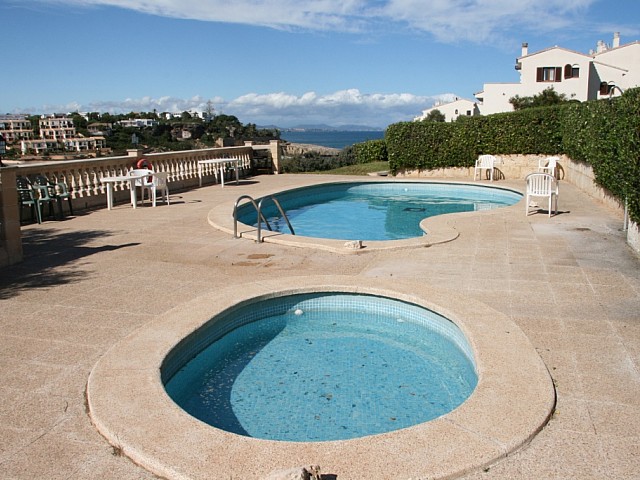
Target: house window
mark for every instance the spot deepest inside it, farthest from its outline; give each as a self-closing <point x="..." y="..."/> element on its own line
<point x="468" y="113"/>
<point x="549" y="74"/>
<point x="605" y="88"/>
<point x="571" y="71"/>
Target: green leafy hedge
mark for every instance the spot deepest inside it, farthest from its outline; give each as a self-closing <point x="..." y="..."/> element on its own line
<point x="621" y="173"/>
<point x="603" y="133"/>
<point x="371" y="151"/>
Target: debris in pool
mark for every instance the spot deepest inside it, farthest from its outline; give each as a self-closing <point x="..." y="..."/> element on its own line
<point x="298" y="311"/>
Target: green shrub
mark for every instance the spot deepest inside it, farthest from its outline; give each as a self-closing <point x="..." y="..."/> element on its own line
<point x="315" y="162"/>
<point x="603" y="133"/>
<point x="626" y="128"/>
<point x="370" y="151"/>
<point x="348" y="156"/>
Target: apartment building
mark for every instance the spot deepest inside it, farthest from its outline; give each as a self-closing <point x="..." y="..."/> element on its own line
<point x="15" y="128"/>
<point x="56" y="127"/>
<point x="40" y="146"/>
<point x="57" y="132"/>
<point x="606" y="71"/>
<point x="100" y="129"/>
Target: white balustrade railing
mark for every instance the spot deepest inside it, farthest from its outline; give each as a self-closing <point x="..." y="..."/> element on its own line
<point x="82" y="177"/>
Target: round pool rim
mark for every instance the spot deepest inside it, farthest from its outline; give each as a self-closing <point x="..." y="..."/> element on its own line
<point x="513" y="400"/>
<point x="438" y="229"/>
<point x="427" y="321"/>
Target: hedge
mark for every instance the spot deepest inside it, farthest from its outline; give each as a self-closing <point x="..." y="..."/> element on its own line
<point x="370" y="151"/>
<point x="603" y="133"/>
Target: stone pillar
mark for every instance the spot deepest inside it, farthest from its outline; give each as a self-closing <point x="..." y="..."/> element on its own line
<point x="274" y="148"/>
<point x="135" y="152"/>
<point x="10" y="235"/>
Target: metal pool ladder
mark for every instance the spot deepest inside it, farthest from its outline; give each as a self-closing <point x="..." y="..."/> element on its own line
<point x="261" y="218"/>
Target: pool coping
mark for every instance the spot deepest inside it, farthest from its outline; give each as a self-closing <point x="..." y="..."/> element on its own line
<point x="512" y="402"/>
<point x="438" y="229"/>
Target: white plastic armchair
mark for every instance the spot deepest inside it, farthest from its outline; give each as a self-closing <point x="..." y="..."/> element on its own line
<point x="484" y="162"/>
<point x="145" y="182"/>
<point x="159" y="183"/>
<point x="542" y="185"/>
<point x="548" y="165"/>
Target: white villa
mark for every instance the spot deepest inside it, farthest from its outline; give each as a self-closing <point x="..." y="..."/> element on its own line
<point x="138" y="122"/>
<point x="452" y="110"/>
<point x="602" y="73"/>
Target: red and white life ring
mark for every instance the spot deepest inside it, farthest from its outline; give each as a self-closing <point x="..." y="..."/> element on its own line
<point x="144" y="163"/>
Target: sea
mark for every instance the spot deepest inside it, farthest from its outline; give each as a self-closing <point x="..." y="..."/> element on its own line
<point x="331" y="138"/>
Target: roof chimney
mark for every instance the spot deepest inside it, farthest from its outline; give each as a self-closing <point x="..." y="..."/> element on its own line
<point x="525" y="49"/>
<point x="601" y="46"/>
<point x="616" y="39"/>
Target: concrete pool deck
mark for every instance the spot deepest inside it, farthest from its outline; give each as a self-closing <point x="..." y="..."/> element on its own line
<point x="569" y="282"/>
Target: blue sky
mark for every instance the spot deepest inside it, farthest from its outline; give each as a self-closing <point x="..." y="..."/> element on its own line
<point x="283" y="62"/>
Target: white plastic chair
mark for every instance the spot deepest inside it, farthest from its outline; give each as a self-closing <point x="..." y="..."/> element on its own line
<point x="484" y="162"/>
<point x="159" y="182"/>
<point x="542" y="185"/>
<point x="144" y="183"/>
<point x="548" y="165"/>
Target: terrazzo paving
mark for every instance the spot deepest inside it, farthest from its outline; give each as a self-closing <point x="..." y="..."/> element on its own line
<point x="570" y="282"/>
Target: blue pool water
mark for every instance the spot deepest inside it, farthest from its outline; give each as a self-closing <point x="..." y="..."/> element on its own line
<point x="318" y="367"/>
<point x="374" y="210"/>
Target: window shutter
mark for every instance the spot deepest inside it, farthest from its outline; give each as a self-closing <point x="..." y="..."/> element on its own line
<point x="604" y="86"/>
<point x="539" y="74"/>
<point x="558" y="74"/>
<point x="568" y="71"/>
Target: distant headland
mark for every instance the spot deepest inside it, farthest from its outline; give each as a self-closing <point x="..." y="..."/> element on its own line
<point x="324" y="128"/>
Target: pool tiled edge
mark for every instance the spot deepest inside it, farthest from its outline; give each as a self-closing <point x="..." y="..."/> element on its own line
<point x="512" y="402"/>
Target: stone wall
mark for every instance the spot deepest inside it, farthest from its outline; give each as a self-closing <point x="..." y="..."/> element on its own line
<point x="302" y="148"/>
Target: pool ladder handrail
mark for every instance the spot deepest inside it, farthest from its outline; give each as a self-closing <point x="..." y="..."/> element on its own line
<point x="261" y="218"/>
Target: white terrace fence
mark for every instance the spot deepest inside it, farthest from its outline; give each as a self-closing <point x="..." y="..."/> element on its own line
<point x="82" y="178"/>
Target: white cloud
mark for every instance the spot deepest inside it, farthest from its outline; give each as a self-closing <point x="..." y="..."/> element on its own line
<point x="144" y="104"/>
<point x="447" y="20"/>
<point x="338" y="108"/>
<point x="283" y="109"/>
<point x="482" y="20"/>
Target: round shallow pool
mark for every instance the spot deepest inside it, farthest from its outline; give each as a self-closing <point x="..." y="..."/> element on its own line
<point x="128" y="402"/>
<point x="373" y="210"/>
<point x="340" y="365"/>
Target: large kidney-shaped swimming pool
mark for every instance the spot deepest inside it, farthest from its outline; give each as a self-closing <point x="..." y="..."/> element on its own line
<point x="373" y="210"/>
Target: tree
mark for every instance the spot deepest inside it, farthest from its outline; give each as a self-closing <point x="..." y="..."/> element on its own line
<point x="209" y="111"/>
<point x="546" y="98"/>
<point x="79" y="122"/>
<point x="435" y="116"/>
